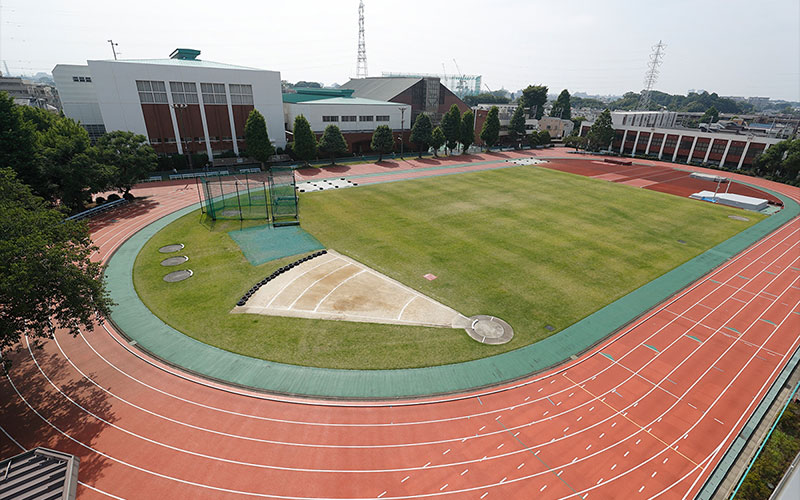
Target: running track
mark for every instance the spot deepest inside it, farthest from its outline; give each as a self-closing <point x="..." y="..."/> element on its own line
<point x="645" y="415"/>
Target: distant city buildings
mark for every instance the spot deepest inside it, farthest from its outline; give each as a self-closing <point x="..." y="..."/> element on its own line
<point x="27" y="92"/>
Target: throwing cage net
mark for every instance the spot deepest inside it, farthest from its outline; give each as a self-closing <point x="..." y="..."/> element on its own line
<point x="251" y="196"/>
<point x="283" y="196"/>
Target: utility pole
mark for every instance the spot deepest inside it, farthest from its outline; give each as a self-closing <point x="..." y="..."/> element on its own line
<point x="361" y="65"/>
<point x="402" y="128"/>
<point x="113" y="48"/>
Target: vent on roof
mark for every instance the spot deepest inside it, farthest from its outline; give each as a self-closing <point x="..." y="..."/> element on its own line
<point x="187" y="54"/>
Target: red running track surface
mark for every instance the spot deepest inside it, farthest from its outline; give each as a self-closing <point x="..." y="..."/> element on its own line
<point x="647" y="414"/>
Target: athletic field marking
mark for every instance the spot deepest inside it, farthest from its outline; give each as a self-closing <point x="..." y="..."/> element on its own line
<point x="314" y="283"/>
<point x="412" y="299"/>
<point x="608" y="356"/>
<point x="767" y="321"/>
<point x="651" y="347"/>
<point x="335" y="288"/>
<point x="335" y="258"/>
<point x="634" y="423"/>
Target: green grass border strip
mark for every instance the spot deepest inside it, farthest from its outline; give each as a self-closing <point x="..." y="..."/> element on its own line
<point x="151" y="334"/>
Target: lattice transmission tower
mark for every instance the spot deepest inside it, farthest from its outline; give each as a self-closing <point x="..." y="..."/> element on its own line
<point x="361" y="66"/>
<point x="651" y="76"/>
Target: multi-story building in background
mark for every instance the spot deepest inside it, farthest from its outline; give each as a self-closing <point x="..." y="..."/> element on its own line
<point x="655" y="133"/>
<point x="181" y="104"/>
<point x="78" y="97"/>
<point x="423" y="94"/>
<point x="356" y="117"/>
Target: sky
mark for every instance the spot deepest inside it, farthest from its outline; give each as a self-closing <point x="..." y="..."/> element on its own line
<point x="732" y="47"/>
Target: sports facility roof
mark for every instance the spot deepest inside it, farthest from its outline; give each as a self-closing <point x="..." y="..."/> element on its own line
<point x="380" y="88"/>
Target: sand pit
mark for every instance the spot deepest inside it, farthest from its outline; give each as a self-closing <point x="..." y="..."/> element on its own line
<point x="337" y="287"/>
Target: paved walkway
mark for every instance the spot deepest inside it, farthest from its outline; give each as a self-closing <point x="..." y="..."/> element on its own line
<point x="171" y="345"/>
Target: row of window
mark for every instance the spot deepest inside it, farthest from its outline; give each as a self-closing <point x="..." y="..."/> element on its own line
<point x="186" y="92"/>
<point x="82" y="79"/>
<point x="171" y="140"/>
<point x="352" y="118"/>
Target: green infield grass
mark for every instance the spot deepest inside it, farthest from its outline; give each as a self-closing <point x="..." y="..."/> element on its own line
<point x="536" y="247"/>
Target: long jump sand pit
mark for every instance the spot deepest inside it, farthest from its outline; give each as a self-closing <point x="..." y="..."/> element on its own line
<point x="337" y="287"/>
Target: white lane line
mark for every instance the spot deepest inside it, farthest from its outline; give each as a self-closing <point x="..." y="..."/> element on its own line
<point x="335" y="288"/>
<point x="326" y="261"/>
<point x="314" y="283"/>
<point x="412" y="299"/>
<point x="405" y="479"/>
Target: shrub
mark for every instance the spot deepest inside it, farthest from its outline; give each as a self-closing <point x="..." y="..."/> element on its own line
<point x="99" y="200"/>
<point x="113" y="197"/>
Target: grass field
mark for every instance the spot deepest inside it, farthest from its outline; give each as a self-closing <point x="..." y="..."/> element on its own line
<point x="533" y="246"/>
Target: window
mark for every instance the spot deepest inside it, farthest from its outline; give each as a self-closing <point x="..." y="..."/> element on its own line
<point x="88" y="79"/>
<point x="718" y="147"/>
<point x="151" y="91"/>
<point x="365" y="118"/>
<point x="183" y="92"/>
<point x="382" y="118"/>
<point x="213" y="93"/>
<point x="349" y="118"/>
<point x="330" y="118"/>
<point x="75" y="79"/>
<point x="736" y="150"/>
<point x="670" y="142"/>
<point x="656" y="142"/>
<point x="241" y="94"/>
<point x="700" y="147"/>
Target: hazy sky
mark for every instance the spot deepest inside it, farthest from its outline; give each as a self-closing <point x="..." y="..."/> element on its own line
<point x="731" y="47"/>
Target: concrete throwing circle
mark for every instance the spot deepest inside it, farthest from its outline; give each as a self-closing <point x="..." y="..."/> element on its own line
<point x="174" y="261"/>
<point x="231" y="213"/>
<point x="489" y="330"/>
<point x="176" y="276"/>
<point x="171" y="248"/>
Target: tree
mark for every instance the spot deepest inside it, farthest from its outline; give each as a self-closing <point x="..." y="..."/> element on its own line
<point x="16" y="141"/>
<point x="544" y="137"/>
<point x="602" y="132"/>
<point x="67" y="164"/>
<point x="490" y="132"/>
<point x="422" y="132"/>
<point x="451" y="127"/>
<point x="438" y="139"/>
<point x="781" y="160"/>
<point x="562" y="108"/>
<point x="485" y="98"/>
<point x="467" y="136"/>
<point x="305" y="142"/>
<point x="47" y="279"/>
<point x="516" y="127"/>
<point x="382" y="141"/>
<point x="256" y="137"/>
<point x="710" y="116"/>
<point x="535" y="97"/>
<point x="131" y="157"/>
<point x="332" y="142"/>
<point x="575" y="141"/>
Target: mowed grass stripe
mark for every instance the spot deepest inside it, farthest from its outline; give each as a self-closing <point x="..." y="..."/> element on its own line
<point x="533" y="246"/>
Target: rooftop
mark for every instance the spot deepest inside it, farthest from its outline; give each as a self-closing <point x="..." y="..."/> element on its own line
<point x="330" y="96"/>
<point x="182" y="57"/>
<point x="380" y="88"/>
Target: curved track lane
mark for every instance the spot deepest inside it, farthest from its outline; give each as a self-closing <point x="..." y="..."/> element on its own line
<point x="646" y="414"/>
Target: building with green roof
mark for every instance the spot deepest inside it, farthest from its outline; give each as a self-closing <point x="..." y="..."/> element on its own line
<point x="357" y="117"/>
